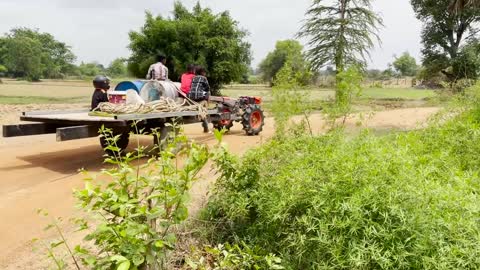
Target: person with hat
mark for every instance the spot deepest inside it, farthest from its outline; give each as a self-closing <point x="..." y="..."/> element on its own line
<point x="102" y="85"/>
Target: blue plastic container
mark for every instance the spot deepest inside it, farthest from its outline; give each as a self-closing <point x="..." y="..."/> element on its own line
<point x="127" y="85"/>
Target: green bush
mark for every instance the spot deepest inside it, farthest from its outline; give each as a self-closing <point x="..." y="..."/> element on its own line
<point x="403" y="201"/>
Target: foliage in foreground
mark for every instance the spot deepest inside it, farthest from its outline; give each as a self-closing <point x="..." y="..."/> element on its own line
<point x="236" y="257"/>
<point x="402" y="201"/>
<point x="131" y="219"/>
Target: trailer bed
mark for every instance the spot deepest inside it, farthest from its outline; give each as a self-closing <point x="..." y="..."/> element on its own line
<point x="78" y="124"/>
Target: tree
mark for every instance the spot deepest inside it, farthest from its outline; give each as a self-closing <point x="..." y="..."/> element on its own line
<point x="55" y="57"/>
<point x="460" y="5"/>
<point x="214" y="41"/>
<point x="444" y="35"/>
<point x="342" y="34"/>
<point x="286" y="50"/>
<point x="91" y="69"/>
<point x="406" y="65"/>
<point x="117" y="68"/>
<point x="24" y="58"/>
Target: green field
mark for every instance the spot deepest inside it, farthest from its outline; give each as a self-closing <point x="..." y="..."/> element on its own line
<point x="54" y="92"/>
<point x="397" y="93"/>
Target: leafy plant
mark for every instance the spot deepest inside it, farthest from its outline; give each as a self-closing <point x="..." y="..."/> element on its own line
<point x="349" y="86"/>
<point x="131" y="219"/>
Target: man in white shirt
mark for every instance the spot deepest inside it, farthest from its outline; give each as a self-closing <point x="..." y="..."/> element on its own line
<point x="158" y="71"/>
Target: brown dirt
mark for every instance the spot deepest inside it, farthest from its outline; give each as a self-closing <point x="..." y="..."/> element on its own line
<point x="36" y="172"/>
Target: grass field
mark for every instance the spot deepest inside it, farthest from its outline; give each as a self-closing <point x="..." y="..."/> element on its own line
<point x="54" y="92"/>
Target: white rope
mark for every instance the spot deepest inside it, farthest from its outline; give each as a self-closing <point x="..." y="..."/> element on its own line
<point x="161" y="105"/>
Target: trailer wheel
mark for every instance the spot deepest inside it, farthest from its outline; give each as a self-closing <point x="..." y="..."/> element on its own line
<point x="253" y="120"/>
<point x="161" y="139"/>
<point x="224" y="123"/>
<point x="121" y="143"/>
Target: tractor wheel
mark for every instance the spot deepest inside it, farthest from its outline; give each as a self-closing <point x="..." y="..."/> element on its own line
<point x="121" y="143"/>
<point x="253" y="120"/>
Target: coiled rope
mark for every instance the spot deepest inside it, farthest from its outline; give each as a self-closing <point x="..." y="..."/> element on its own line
<point x="164" y="104"/>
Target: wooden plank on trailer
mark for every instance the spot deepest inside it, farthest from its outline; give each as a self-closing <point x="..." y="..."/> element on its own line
<point x="28" y="129"/>
<point x="77" y="132"/>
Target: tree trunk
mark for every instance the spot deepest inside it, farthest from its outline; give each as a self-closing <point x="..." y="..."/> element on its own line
<point x="339" y="55"/>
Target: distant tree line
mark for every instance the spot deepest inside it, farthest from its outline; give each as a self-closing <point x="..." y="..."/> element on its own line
<point x="32" y="55"/>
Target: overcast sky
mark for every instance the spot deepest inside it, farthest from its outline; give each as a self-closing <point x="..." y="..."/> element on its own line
<point x="97" y="30"/>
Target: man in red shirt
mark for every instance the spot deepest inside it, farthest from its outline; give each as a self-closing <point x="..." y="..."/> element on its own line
<point x="187" y="79"/>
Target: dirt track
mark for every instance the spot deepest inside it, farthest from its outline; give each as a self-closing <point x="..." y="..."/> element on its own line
<point x="36" y="172"/>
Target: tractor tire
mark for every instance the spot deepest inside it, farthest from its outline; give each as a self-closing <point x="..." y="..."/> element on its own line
<point x="122" y="143"/>
<point x="253" y="120"/>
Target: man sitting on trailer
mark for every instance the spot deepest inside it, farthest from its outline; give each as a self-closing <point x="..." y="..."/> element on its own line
<point x="102" y="85"/>
<point x="159" y="70"/>
<point x="200" y="92"/>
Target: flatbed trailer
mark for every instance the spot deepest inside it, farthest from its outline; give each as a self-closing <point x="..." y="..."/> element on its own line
<point x="79" y="124"/>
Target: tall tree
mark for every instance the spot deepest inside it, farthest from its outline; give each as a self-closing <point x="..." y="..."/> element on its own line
<point x="285" y="50"/>
<point x="214" y="41"/>
<point x="444" y="34"/>
<point x="341" y="33"/>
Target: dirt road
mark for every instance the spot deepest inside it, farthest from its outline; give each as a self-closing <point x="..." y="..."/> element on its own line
<point x="36" y="172"/>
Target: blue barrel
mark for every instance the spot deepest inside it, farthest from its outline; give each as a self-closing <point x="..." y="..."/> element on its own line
<point x="127" y="85"/>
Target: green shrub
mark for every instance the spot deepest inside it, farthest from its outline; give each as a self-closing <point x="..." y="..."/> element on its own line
<point x="402" y="201"/>
<point x="236" y="257"/>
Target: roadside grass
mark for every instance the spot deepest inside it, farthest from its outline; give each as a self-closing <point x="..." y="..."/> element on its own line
<point x="397" y="93"/>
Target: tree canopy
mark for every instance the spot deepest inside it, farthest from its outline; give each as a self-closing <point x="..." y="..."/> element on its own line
<point x="199" y="36"/>
<point x="286" y="50"/>
<point x="444" y="35"/>
<point x="406" y="65"/>
<point x="28" y="53"/>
